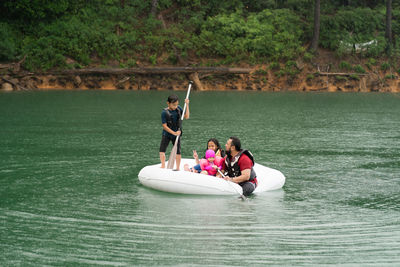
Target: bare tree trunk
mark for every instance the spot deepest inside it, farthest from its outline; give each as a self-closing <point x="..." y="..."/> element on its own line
<point x="118" y="29"/>
<point x="317" y="13"/>
<point x="388" y="32"/>
<point x="195" y="78"/>
<point x="154" y="5"/>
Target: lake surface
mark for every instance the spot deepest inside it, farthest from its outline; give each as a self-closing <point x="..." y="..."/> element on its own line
<point x="70" y="194"/>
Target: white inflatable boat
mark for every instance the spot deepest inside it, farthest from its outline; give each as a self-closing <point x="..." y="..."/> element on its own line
<point x="185" y="182"/>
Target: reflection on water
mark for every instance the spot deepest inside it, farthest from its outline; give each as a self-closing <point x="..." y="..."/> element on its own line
<point x="70" y="194"/>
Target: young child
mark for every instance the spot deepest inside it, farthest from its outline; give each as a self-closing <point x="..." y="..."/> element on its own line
<point x="171" y="123"/>
<point x="211" y="144"/>
<point x="211" y="163"/>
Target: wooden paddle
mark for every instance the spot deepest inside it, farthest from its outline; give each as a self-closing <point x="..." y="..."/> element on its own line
<point x="223" y="176"/>
<point x="172" y="156"/>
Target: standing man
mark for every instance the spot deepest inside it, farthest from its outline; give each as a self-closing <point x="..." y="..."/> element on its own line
<point x="239" y="166"/>
<point x="171" y="124"/>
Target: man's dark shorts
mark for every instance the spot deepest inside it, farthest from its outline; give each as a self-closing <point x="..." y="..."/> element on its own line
<point x="165" y="141"/>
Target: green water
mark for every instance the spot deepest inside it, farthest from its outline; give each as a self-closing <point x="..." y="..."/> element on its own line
<point x="70" y="194"/>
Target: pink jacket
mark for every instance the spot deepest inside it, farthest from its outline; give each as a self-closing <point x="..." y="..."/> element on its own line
<point x="205" y="165"/>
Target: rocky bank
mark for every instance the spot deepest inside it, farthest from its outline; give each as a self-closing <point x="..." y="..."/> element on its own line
<point x="255" y="81"/>
<point x="322" y="75"/>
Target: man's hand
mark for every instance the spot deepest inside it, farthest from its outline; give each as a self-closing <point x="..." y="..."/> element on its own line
<point x="230" y="179"/>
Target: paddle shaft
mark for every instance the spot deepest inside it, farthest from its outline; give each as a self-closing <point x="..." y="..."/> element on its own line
<point x="223" y="176"/>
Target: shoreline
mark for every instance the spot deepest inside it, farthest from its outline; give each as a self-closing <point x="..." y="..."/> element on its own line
<point x="258" y="78"/>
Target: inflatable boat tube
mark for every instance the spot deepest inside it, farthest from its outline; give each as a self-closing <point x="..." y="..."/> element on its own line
<point x="185" y="182"/>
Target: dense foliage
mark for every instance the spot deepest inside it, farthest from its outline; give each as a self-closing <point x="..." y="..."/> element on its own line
<point x="76" y="33"/>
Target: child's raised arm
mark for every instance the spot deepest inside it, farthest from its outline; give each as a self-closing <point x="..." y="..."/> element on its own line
<point x="187" y="112"/>
<point x="195" y="156"/>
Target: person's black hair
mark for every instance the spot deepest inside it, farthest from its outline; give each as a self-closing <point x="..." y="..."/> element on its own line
<point x="215" y="141"/>
<point x="236" y="143"/>
<point x="172" y="99"/>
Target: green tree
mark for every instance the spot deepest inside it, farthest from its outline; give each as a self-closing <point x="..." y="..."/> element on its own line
<point x="29" y="11"/>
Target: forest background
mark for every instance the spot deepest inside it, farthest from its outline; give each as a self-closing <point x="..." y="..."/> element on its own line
<point x="277" y="36"/>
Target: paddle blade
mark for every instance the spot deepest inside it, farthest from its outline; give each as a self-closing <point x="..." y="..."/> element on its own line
<point x="172" y="156"/>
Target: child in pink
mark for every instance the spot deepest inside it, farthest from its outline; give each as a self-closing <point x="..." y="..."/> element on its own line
<point x="211" y="163"/>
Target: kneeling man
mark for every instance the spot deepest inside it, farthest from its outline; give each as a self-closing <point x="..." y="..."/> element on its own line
<point x="238" y="166"/>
